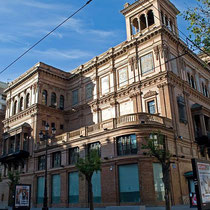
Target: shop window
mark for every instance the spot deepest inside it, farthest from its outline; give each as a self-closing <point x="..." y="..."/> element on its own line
<point x="73" y="155"/>
<point x="74" y="187"/>
<point x="27" y="100"/>
<point x="129" y="183"/>
<point x="127" y="145"/>
<point x="56" y="188"/>
<point x="147" y="64"/>
<point x="143" y="24"/>
<point x="95" y="146"/>
<point x="41" y="162"/>
<point x="21" y="104"/>
<point x="53" y="100"/>
<point x="150" y="17"/>
<point x="181" y="109"/>
<point x="123" y="77"/>
<point x="75" y="97"/>
<point x="61" y="102"/>
<point x="56" y="161"/>
<point x="40" y="190"/>
<point x="89" y="91"/>
<point x="104" y="85"/>
<point x="158" y="181"/>
<point x="151" y="107"/>
<point x="44" y="97"/>
<point x="96" y="185"/>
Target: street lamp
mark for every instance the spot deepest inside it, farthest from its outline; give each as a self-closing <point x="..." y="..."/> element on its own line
<point x="45" y="137"/>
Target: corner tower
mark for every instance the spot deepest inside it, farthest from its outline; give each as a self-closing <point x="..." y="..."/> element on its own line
<point x="145" y="15"/>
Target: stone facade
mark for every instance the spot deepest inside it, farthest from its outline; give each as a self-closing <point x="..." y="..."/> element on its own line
<point x="151" y="82"/>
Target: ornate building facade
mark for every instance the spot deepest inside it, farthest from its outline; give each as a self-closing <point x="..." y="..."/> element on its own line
<point x="151" y="82"/>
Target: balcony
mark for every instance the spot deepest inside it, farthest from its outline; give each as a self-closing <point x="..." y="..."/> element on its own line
<point x="14" y="155"/>
<point x="143" y="119"/>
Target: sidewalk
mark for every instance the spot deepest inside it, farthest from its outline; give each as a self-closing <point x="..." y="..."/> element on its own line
<point x="182" y="207"/>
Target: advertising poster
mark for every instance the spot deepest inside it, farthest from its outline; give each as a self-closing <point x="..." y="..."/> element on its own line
<point x="204" y="180"/>
<point x="22" y="196"/>
<point x="201" y="173"/>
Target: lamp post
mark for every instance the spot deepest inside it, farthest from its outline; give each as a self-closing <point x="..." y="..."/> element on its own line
<point x="45" y="137"/>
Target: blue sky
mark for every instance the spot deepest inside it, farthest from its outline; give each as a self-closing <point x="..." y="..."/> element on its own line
<point x="91" y="32"/>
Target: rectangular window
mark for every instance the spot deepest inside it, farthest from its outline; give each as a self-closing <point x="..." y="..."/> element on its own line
<point x="104" y="85"/>
<point x="158" y="181"/>
<point x="127" y="145"/>
<point x="61" y="126"/>
<point x="181" y="109"/>
<point x="129" y="183"/>
<point x="89" y="91"/>
<point x="56" y="161"/>
<point x="56" y="188"/>
<point x="151" y="107"/>
<point x="123" y="77"/>
<point x="173" y="64"/>
<point x="96" y="146"/>
<point x="147" y="64"/>
<point x="96" y="183"/>
<point x="40" y="189"/>
<point x="75" y="98"/>
<point x="41" y="162"/>
<point x="74" y="187"/>
<point x="52" y="125"/>
<point x="43" y="122"/>
<point x="73" y="155"/>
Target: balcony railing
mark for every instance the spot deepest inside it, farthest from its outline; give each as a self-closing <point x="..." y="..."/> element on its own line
<point x="126" y="120"/>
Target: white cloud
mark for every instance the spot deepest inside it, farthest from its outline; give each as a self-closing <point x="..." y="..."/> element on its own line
<point x="63" y="54"/>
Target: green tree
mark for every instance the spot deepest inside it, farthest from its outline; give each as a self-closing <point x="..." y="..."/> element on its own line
<point x="14" y="178"/>
<point x="199" y="19"/>
<point x="156" y="147"/>
<point x="87" y="166"/>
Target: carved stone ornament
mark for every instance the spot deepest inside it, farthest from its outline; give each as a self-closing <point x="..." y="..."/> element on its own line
<point x="156" y="51"/>
<point x="150" y="93"/>
<point x="164" y="51"/>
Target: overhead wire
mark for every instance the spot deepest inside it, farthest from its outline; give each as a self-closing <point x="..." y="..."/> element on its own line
<point x="88" y="2"/>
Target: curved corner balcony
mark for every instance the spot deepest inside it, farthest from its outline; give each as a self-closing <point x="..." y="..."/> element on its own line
<point x="136" y="119"/>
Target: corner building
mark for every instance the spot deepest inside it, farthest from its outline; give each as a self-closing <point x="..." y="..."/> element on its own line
<point x="150" y="82"/>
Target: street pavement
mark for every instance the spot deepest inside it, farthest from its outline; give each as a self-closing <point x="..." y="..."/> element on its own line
<point x="182" y="207"/>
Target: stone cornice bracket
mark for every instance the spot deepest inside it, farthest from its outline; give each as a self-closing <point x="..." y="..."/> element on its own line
<point x="162" y="85"/>
<point x="186" y="93"/>
<point x="96" y="109"/>
<point x="150" y="94"/>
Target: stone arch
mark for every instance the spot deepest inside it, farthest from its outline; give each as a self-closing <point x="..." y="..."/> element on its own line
<point x="15" y="108"/>
<point x="143" y="23"/>
<point x="27" y="100"/>
<point x="135" y="25"/>
<point x="150" y="18"/>
<point x="21" y="106"/>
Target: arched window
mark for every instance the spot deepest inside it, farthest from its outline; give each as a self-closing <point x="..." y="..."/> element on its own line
<point x="27" y="100"/>
<point x="143" y="22"/>
<point x="188" y="77"/>
<point x="150" y="18"/>
<point x="21" y="104"/>
<point x="15" y="108"/>
<point x="135" y="25"/>
<point x="44" y="97"/>
<point x="61" y="102"/>
<point x="53" y="100"/>
<point x="206" y="91"/>
<point x="166" y="20"/>
<point x="192" y="82"/>
<point x="162" y="17"/>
